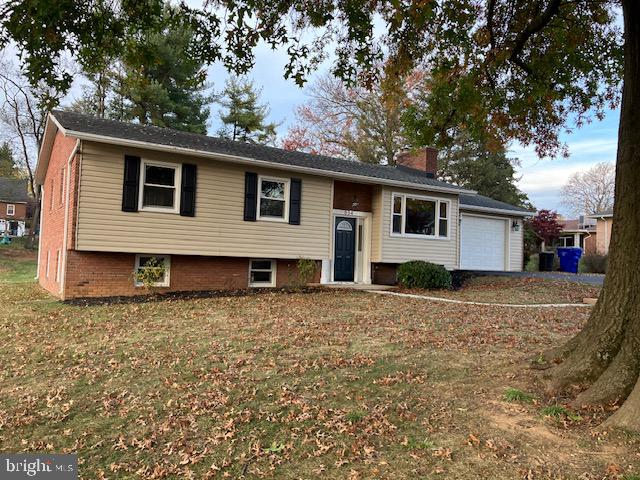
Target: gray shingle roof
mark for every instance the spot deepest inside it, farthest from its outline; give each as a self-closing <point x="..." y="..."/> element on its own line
<point x="486" y="202"/>
<point x="87" y="124"/>
<point x="603" y="213"/>
<point x="13" y="190"/>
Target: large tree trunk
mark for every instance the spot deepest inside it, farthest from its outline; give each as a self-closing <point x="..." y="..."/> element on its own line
<point x="606" y="354"/>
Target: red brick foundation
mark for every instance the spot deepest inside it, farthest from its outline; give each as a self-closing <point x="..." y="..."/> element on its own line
<point x="103" y="274"/>
<point x="385" y="273"/>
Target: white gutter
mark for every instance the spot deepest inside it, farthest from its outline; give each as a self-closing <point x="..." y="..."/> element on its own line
<point x="66" y="216"/>
<point x="252" y="161"/>
<point x="503" y="211"/>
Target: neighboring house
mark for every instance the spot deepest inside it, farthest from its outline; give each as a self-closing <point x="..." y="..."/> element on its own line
<point x="14" y="206"/>
<point x="604" y="224"/>
<point x="230" y="215"/>
<point x="581" y="233"/>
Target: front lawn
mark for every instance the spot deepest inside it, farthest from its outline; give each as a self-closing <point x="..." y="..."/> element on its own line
<point x="515" y="290"/>
<point x="332" y="384"/>
<point x="17" y="264"/>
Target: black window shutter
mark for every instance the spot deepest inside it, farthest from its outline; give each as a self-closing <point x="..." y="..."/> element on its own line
<point x="188" y="191"/>
<point x="295" y="196"/>
<point x="250" y="196"/>
<point x="131" y="183"/>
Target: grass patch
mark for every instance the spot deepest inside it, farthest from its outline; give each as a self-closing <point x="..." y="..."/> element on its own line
<point x="415" y="444"/>
<point x="516" y="395"/>
<point x="355" y="416"/>
<point x="517" y="290"/>
<point x="559" y="412"/>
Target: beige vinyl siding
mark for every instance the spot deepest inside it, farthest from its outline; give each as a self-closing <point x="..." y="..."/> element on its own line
<point x="516" y="247"/>
<point x="377" y="212"/>
<point x="396" y="249"/>
<point x="218" y="228"/>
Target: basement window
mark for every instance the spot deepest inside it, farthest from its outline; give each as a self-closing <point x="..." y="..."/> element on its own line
<point x="148" y="262"/>
<point x="262" y="273"/>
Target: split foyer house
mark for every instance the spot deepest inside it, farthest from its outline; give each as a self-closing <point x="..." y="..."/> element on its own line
<point x="227" y="215"/>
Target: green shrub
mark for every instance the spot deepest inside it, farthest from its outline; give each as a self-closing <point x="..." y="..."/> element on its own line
<point x="150" y="273"/>
<point x="533" y="263"/>
<point x="419" y="274"/>
<point x="306" y="270"/>
<point x="593" y="263"/>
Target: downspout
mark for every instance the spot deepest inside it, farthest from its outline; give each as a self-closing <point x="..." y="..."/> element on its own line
<point x="40" y="231"/>
<point x="63" y="272"/>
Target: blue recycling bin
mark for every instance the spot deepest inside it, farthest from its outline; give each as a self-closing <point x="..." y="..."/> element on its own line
<point x="569" y="258"/>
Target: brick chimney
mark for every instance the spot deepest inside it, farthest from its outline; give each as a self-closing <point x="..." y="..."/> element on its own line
<point x="423" y="159"/>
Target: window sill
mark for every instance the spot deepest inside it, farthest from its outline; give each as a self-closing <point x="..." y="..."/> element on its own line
<point x="272" y="219"/>
<point x="415" y="235"/>
<point x="158" y="210"/>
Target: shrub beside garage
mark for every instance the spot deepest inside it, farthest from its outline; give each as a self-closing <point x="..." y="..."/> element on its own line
<point x="421" y="274"/>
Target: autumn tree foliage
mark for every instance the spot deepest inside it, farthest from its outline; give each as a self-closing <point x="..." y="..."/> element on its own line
<point x="546" y="226"/>
<point x="372" y="124"/>
<point x="356" y="122"/>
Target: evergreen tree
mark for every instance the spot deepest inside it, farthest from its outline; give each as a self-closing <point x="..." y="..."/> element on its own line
<point x="164" y="79"/>
<point x="159" y="79"/>
<point x="473" y="165"/>
<point x="244" y="115"/>
<point x="8" y="167"/>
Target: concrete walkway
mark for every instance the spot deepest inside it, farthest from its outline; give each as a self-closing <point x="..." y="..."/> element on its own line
<point x="591" y="279"/>
<point x="464" y="302"/>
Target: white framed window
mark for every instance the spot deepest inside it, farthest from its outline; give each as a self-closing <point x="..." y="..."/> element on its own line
<point x="262" y="272"/>
<point x="150" y="261"/>
<point x="11" y="209"/>
<point x="273" y="199"/>
<point x="567" y="241"/>
<point x="160" y="186"/>
<point x="419" y="216"/>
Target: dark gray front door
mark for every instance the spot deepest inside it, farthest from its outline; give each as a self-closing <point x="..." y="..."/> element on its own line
<point x="344" y="249"/>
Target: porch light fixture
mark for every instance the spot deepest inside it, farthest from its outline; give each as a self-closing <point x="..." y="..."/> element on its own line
<point x="515" y="226"/>
<point x="354" y="202"/>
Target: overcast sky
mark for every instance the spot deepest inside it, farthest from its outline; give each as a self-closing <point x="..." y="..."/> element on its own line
<point x="541" y="179"/>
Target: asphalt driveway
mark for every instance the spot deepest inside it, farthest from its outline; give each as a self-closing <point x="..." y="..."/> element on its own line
<point x="591" y="278"/>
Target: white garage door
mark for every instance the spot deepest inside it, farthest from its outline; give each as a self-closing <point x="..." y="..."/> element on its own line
<point x="482" y="243"/>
